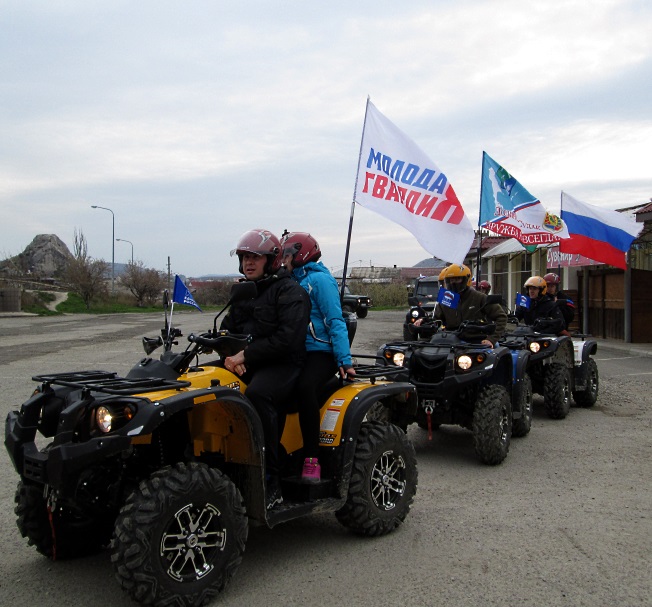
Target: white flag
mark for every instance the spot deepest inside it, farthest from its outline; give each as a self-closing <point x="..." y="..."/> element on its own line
<point x="397" y="180"/>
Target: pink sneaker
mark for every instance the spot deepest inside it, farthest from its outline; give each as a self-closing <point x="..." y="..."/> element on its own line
<point x="311" y="470"/>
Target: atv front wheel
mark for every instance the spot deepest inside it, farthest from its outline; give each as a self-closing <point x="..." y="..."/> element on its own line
<point x="66" y="535"/>
<point x="557" y="391"/>
<point x="587" y="398"/>
<point x="521" y="426"/>
<point x="383" y="481"/>
<point x="362" y="312"/>
<point x="180" y="536"/>
<point x="492" y="424"/>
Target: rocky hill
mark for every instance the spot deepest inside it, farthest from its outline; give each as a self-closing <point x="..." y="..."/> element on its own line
<point x="46" y="256"/>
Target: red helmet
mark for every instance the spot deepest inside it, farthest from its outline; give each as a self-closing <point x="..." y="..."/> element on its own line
<point x="485" y="286"/>
<point x="260" y="242"/>
<point x="302" y="246"/>
<point x="552" y="278"/>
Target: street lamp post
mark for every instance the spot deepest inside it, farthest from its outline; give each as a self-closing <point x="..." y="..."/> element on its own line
<point x="132" y="247"/>
<point x="94" y="206"/>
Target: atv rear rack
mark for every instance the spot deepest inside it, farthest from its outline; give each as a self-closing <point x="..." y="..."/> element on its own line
<point x="109" y="382"/>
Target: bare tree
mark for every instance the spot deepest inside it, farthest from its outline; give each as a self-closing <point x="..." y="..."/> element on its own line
<point x="145" y="284"/>
<point x="86" y="276"/>
<point x="214" y="293"/>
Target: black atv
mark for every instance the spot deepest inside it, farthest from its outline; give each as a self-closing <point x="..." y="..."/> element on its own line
<point x="561" y="367"/>
<point x="167" y="465"/>
<point x="460" y="381"/>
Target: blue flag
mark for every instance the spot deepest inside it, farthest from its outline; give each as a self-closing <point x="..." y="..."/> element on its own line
<point x="508" y="209"/>
<point x="181" y="295"/>
<point x="448" y="298"/>
<point x="523" y="301"/>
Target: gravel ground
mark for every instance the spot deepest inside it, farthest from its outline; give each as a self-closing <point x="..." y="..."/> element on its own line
<point x="564" y="521"/>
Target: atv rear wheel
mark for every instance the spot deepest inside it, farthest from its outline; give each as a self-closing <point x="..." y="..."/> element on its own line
<point x="383" y="481"/>
<point x="492" y="424"/>
<point x="69" y="535"/>
<point x="521" y="426"/>
<point x="588" y="397"/>
<point x="180" y="536"/>
<point x="557" y="391"/>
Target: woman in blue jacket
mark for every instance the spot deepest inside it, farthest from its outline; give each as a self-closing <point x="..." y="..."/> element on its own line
<point x="327" y="340"/>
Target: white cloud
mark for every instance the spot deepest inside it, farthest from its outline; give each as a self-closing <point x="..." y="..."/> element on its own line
<point x="194" y="120"/>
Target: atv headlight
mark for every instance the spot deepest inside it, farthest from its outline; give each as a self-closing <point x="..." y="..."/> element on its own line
<point x="535" y="346"/>
<point x="414" y="314"/>
<point x="464" y="362"/>
<point x="398" y="359"/>
<point x="103" y="418"/>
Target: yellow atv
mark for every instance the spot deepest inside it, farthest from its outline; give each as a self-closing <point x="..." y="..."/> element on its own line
<point x="167" y="466"/>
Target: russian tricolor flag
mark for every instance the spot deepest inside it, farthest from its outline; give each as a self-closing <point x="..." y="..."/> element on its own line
<point x="597" y="233"/>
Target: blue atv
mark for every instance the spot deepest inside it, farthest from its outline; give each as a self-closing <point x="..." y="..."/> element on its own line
<point x="460" y="381"/>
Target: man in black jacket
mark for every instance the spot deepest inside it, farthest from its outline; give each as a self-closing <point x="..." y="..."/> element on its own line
<point x="277" y="320"/>
<point x="472" y="304"/>
<point x="565" y="304"/>
<point x="541" y="304"/>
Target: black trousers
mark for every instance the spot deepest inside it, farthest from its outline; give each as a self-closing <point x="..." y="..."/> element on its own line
<point x="317" y="370"/>
<point x="268" y="389"/>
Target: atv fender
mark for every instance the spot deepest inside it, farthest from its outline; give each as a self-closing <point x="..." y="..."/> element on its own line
<point x="582" y="350"/>
<point x="356" y="400"/>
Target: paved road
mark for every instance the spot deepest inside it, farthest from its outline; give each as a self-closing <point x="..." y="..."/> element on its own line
<point x="564" y="521"/>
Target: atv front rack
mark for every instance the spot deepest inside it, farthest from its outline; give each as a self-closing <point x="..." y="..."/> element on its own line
<point x="109" y="382"/>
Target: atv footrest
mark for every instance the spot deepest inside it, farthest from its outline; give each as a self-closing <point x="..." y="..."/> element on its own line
<point x="297" y="491"/>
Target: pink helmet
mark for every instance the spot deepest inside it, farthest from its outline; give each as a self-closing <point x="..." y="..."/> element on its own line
<point x="260" y="242"/>
<point x="552" y="278"/>
<point x="302" y="246"/>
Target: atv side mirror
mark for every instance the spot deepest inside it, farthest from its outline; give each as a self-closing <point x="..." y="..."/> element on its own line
<point x="151" y="343"/>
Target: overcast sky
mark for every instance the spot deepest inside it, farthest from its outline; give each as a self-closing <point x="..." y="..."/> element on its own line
<point x="195" y="121"/>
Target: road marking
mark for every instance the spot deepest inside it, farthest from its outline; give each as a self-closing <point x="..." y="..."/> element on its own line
<point x="618" y="358"/>
<point x="637" y="374"/>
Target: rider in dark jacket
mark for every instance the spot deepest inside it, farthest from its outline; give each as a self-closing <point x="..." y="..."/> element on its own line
<point x="564" y="302"/>
<point x="277" y="320"/>
<point x="541" y="304"/>
<point x="472" y="304"/>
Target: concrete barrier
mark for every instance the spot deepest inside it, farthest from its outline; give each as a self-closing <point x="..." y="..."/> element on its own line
<point x="10" y="300"/>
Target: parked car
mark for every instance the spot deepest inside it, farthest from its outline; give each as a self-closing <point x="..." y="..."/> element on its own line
<point x="359" y="304"/>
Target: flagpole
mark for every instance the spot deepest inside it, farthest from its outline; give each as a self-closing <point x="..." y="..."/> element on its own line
<point x="355" y="189"/>
<point x="478" y="262"/>
<point x="561" y="201"/>
<point x="170" y="326"/>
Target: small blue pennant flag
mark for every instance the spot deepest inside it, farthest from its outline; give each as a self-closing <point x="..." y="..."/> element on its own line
<point x="181" y="295"/>
<point x="448" y="298"/>
<point x="523" y="301"/>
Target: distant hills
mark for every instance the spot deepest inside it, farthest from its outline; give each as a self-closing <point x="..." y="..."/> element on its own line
<point x="47" y="256"/>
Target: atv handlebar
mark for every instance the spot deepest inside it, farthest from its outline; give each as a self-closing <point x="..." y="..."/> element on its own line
<point x="223" y="342"/>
